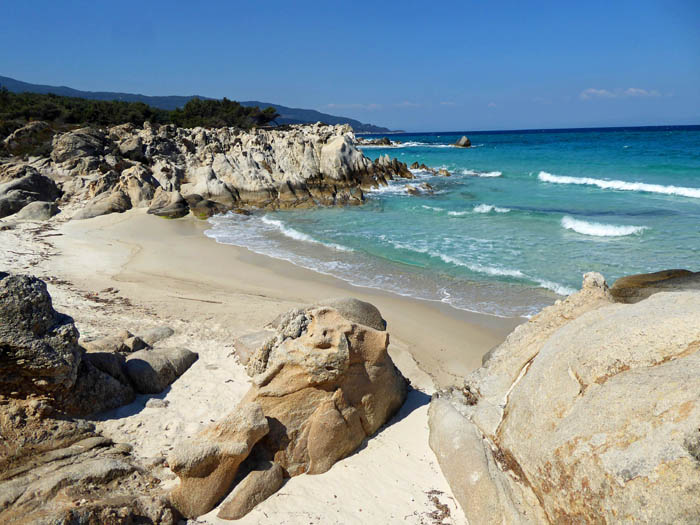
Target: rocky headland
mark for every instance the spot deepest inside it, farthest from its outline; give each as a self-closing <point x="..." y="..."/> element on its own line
<point x="173" y="171"/>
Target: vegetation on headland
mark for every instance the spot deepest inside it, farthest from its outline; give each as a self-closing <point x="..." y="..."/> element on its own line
<point x="16" y="109"/>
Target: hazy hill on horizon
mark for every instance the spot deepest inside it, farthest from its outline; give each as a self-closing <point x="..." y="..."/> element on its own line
<point x="170" y="102"/>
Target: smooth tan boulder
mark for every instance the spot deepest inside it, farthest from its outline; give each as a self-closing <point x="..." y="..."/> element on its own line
<point x="207" y="463"/>
<point x="327" y="389"/>
<point x="323" y="382"/>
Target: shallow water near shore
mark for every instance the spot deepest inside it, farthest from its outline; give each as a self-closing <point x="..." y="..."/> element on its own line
<point x="522" y="217"/>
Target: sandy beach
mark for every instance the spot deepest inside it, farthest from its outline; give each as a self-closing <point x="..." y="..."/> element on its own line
<point x="134" y="271"/>
<point x="172" y="267"/>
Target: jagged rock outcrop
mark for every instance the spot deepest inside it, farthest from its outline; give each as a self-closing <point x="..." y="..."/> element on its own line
<point x="30" y="138"/>
<point x="173" y="170"/>
<point x="54" y="467"/>
<point x="588" y="413"/>
<point x="323" y="383"/>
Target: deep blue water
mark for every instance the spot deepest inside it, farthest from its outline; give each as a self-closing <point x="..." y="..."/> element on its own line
<point x="523" y="216"/>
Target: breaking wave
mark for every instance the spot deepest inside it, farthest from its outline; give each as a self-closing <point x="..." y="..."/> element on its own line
<point x="598" y="229"/>
<point x="488" y="208"/>
<point x="621" y="185"/>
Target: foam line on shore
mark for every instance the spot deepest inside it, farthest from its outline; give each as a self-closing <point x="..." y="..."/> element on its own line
<point x="299" y="236"/>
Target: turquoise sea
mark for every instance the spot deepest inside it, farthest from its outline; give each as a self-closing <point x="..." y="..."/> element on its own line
<point x="523" y="216"/>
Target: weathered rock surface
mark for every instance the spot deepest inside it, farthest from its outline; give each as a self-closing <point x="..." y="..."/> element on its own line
<point x="123" y="342"/>
<point x="174" y="171"/>
<point x="634" y="288"/>
<point x="588" y="413"/>
<point x="156" y="335"/>
<point x="60" y="471"/>
<point x="247" y="344"/>
<point x="169" y="204"/>
<point x="323" y="382"/>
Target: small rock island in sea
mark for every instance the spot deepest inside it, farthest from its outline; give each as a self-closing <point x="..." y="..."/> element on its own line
<point x="463" y="142"/>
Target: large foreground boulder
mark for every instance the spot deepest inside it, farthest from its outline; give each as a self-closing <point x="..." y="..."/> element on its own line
<point x="588" y="413"/>
<point x="323" y="382"/>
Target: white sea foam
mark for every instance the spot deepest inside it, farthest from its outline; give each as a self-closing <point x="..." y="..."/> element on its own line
<point x="407" y="144"/>
<point x="457" y="213"/>
<point x="621" y="185"/>
<point x="478" y="268"/>
<point x="488" y="208"/>
<point x="483" y="174"/>
<point x="300" y="236"/>
<point x="449" y="259"/>
<point x="392" y="188"/>
<point x="598" y="229"/>
<point x="433" y="208"/>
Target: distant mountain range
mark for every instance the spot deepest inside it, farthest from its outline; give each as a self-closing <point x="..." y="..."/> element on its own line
<point x="287" y="115"/>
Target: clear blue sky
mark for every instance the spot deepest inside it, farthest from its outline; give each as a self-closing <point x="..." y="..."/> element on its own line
<point x="435" y="65"/>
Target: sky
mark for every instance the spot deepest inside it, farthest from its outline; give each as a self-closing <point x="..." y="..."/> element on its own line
<point x="416" y="66"/>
